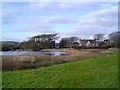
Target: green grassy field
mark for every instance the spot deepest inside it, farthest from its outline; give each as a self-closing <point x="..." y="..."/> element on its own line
<point x="101" y="72"/>
<point x="7" y="43"/>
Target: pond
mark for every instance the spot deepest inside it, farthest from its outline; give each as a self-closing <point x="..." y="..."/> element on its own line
<point x="31" y="53"/>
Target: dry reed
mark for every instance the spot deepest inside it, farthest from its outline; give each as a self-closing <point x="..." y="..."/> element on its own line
<point x="35" y="61"/>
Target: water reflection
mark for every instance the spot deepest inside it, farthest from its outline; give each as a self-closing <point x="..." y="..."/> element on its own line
<point x="31" y="53"/>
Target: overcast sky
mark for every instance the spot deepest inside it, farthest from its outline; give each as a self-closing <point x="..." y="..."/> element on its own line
<point x="21" y="20"/>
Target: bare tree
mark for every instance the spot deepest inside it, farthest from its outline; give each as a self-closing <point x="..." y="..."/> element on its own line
<point x="68" y="42"/>
<point x="99" y="37"/>
<point x="114" y="38"/>
<point x="72" y="40"/>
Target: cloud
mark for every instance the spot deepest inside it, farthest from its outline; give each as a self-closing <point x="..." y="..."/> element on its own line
<point x="60" y="1"/>
<point x="49" y="19"/>
<point x="7" y="14"/>
<point x="42" y="28"/>
<point x="68" y="6"/>
<point x="102" y="21"/>
<point x="44" y="24"/>
<point x="41" y="5"/>
<point x="10" y="12"/>
<point x="41" y="17"/>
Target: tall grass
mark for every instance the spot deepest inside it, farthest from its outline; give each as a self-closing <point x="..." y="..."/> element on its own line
<point x="34" y="61"/>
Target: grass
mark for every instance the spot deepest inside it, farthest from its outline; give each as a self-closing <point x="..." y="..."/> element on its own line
<point x="100" y="72"/>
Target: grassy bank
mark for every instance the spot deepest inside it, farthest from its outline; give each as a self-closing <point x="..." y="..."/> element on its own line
<point x="100" y="72"/>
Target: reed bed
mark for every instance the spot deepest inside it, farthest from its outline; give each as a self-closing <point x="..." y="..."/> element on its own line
<point x="19" y="62"/>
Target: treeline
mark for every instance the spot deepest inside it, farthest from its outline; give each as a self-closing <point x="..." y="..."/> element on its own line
<point x="39" y="42"/>
<point x="48" y="41"/>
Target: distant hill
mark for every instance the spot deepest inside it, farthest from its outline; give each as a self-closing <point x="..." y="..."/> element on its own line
<point x="7" y="45"/>
<point x="8" y="42"/>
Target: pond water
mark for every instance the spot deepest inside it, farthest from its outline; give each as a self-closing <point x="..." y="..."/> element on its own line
<point x="31" y="53"/>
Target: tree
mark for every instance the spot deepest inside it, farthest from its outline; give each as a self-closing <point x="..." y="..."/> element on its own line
<point x="114" y="38"/>
<point x="75" y="45"/>
<point x="8" y="45"/>
<point x="41" y="42"/>
<point x="30" y="45"/>
<point x="72" y="40"/>
<point x="99" y="37"/>
<point x="68" y="42"/>
<point x="64" y="43"/>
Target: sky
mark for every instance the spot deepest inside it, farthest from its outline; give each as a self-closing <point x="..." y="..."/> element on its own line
<point x="22" y="20"/>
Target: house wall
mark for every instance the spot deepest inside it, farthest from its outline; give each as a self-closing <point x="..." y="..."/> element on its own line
<point x="87" y="43"/>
